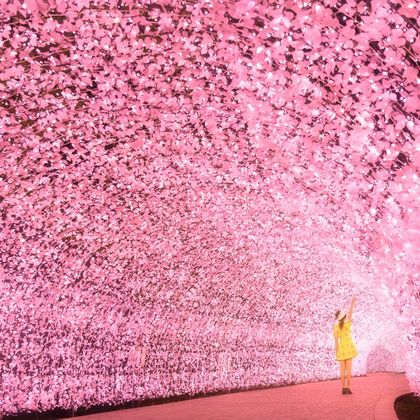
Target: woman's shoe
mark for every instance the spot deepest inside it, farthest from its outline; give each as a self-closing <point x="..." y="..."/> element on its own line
<point x="344" y="391"/>
<point x="349" y="391"/>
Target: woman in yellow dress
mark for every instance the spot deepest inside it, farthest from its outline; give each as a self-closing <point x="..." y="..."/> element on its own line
<point x="345" y="349"/>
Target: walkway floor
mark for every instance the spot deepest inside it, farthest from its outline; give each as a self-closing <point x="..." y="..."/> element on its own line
<point x="373" y="398"/>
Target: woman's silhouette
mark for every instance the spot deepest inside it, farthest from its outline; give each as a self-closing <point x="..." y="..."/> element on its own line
<point x="345" y="349"/>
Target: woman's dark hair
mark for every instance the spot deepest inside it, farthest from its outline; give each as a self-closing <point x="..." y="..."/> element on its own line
<point x="342" y="320"/>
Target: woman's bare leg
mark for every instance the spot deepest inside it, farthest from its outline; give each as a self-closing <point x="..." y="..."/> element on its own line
<point x="342" y="373"/>
<point x="348" y="371"/>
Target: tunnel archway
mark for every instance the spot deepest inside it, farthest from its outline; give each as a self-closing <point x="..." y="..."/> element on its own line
<point x="189" y="190"/>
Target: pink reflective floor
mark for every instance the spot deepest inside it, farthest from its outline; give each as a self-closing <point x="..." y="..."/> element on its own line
<point x="373" y="398"/>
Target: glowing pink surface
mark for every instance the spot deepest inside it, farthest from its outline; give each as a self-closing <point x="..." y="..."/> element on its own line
<point x="189" y="191"/>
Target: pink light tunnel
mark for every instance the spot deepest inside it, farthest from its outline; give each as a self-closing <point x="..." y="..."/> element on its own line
<point x="190" y="189"/>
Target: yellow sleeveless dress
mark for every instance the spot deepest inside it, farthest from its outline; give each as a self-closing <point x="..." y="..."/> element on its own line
<point x="346" y="348"/>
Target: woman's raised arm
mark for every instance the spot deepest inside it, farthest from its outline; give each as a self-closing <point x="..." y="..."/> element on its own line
<point x="353" y="301"/>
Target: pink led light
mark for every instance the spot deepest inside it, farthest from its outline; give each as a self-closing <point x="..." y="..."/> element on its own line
<point x="189" y="191"/>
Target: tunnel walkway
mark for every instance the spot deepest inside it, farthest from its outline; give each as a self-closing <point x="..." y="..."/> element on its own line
<point x="373" y="398"/>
